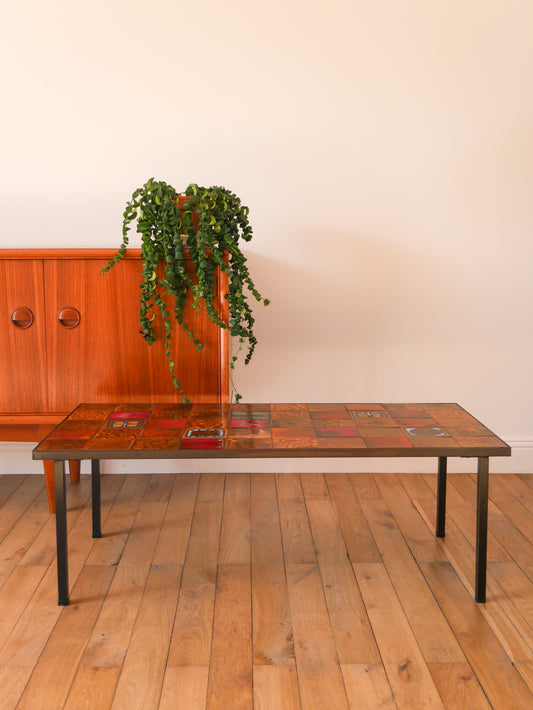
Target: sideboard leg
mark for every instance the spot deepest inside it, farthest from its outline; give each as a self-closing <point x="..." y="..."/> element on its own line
<point x="481" y="527"/>
<point x="95" y="478"/>
<point x="49" y="482"/>
<point x="61" y="534"/>
<point x="441" y="497"/>
<point x="74" y="470"/>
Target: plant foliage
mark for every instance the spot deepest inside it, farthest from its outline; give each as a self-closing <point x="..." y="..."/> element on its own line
<point x="209" y="222"/>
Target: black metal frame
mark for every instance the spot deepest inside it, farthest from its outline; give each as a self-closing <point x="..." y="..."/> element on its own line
<point x="481" y="521"/>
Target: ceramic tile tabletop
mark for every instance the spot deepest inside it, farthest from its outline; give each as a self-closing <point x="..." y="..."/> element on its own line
<point x="270" y="430"/>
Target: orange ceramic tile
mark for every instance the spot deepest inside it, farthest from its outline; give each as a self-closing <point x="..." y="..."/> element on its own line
<point x="249" y="443"/>
<point x="384" y="442"/>
<point x="288" y="407"/>
<point x="326" y="407"/>
<point x="341" y="443"/>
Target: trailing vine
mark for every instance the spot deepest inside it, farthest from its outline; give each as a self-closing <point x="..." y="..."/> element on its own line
<point x="209" y="222"/>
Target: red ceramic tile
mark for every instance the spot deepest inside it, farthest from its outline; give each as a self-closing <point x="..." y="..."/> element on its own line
<point x="166" y="424"/>
<point x="247" y="423"/>
<point x="202" y="444"/>
<point x="336" y="431"/>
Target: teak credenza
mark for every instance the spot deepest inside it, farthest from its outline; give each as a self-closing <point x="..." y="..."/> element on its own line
<point x="70" y="334"/>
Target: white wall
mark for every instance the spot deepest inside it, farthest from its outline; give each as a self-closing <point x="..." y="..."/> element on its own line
<point x="385" y="150"/>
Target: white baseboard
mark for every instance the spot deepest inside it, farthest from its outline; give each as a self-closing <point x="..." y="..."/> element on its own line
<point x="15" y="457"/>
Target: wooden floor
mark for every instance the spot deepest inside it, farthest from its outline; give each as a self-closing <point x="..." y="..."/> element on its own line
<point x="237" y="592"/>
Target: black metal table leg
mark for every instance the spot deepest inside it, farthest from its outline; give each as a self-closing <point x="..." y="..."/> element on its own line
<point x="441" y="497"/>
<point x="481" y="527"/>
<point x="61" y="533"/>
<point x="96" y="501"/>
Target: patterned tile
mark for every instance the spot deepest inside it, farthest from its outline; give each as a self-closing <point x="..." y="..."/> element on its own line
<point x="337" y="431"/>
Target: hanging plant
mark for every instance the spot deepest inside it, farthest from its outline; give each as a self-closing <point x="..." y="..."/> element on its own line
<point x="209" y="222"/>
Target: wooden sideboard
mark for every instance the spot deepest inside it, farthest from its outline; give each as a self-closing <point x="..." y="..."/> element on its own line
<point x="70" y="334"/>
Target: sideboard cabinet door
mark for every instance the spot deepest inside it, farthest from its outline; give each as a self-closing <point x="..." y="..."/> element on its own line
<point x="23" y="367"/>
<point x="95" y="349"/>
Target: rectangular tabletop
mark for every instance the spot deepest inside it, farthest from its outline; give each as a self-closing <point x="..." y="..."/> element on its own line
<point x="141" y="431"/>
<point x="137" y="431"/>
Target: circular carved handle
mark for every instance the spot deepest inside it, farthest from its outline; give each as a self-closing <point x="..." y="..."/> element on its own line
<point x="22" y="318"/>
<point x="69" y="317"/>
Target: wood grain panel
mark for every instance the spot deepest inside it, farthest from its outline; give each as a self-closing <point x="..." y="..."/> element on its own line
<point x="105" y="358"/>
<point x="23" y="374"/>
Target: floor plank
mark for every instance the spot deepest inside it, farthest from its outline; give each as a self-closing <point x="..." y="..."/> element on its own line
<point x="269" y="592"/>
<point x="230" y="675"/>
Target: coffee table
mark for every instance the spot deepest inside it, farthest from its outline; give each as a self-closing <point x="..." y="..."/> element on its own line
<point x="268" y="430"/>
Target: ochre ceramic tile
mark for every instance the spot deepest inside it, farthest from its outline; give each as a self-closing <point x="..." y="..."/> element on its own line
<point x="92" y="411"/>
<point x="301" y="433"/>
<point x="341" y="443"/>
<point x="159" y="443"/>
<point x="287" y="423"/>
<point x="364" y="407"/>
<point x="249" y="443"/>
<point x="63" y="444"/>
<point x="285" y="407"/>
<point x="97" y="444"/>
<point x="384" y="442"/>
<point x="294" y="443"/>
<point x="330" y="414"/>
<point x="326" y="407"/>
<point x="427" y="442"/>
